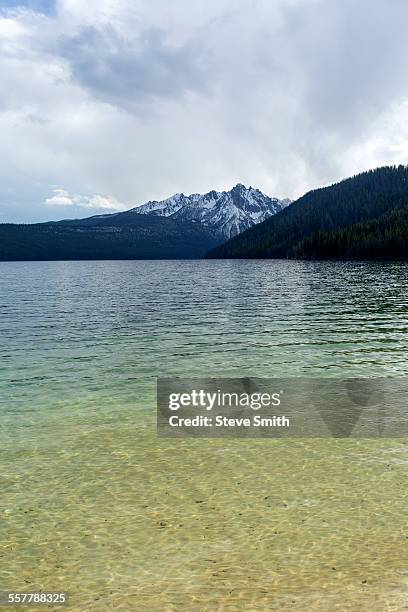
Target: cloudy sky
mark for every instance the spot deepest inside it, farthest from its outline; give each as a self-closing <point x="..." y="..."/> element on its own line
<point x="105" y="104"/>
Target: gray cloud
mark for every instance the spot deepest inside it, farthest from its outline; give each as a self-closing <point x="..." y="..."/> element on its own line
<point x="128" y="70"/>
<point x="354" y="55"/>
<point x="133" y="100"/>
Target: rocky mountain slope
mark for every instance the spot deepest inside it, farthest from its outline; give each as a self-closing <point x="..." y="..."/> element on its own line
<point x="225" y="213"/>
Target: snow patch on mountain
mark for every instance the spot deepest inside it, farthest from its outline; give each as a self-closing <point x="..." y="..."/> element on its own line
<point x="225" y="213"/>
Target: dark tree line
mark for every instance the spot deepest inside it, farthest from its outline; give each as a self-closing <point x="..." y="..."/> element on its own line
<point x="383" y="238"/>
<point x="125" y="236"/>
<point x="363" y="216"/>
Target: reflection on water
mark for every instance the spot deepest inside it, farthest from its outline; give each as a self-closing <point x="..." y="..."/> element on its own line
<point x="93" y="503"/>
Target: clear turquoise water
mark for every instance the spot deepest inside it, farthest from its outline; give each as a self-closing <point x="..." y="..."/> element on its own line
<point x="86" y="483"/>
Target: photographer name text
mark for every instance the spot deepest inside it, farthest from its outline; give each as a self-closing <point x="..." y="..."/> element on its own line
<point x="224" y="421"/>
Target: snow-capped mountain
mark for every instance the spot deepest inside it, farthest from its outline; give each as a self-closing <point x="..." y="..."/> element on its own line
<point x="225" y="213"/>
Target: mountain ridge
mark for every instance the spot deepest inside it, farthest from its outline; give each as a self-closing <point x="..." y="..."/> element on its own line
<point x="190" y="227"/>
<point x="226" y="213"/>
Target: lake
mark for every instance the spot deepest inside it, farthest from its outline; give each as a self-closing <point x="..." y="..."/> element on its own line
<point x="93" y="503"/>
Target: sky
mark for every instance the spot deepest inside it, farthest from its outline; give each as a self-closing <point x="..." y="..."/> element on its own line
<point x="106" y="104"/>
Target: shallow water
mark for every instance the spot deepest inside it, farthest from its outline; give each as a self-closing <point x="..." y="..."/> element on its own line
<point x="93" y="503"/>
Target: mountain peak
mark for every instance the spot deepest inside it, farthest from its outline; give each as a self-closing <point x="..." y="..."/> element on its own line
<point x="225" y="213"/>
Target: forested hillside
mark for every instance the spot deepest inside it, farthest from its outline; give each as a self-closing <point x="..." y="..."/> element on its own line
<point x="125" y="236"/>
<point x="383" y="238"/>
<point x="362" y="217"/>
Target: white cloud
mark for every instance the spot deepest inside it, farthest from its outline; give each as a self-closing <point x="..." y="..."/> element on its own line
<point x="60" y="198"/>
<point x="143" y="99"/>
<point x="99" y="202"/>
